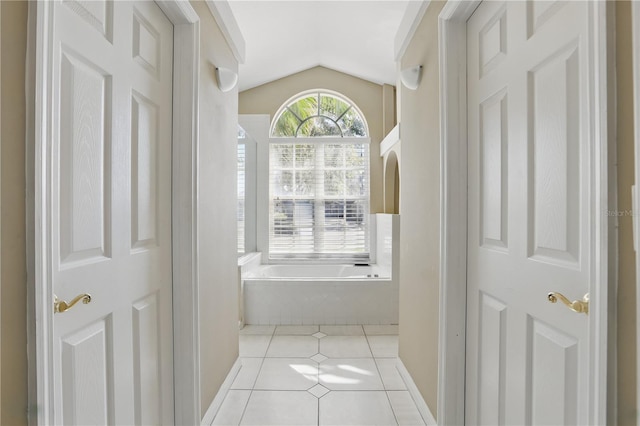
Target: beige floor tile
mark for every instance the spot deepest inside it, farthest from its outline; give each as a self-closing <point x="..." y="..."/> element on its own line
<point x="281" y="408"/>
<point x="350" y="374"/>
<point x="356" y="408"/>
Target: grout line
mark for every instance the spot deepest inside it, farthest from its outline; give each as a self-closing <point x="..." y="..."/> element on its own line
<point x="290" y="390"/>
<point x="372" y="357"/>
<point x="268" y="346"/>
<point x="377" y="335"/>
<point x="318" y="422"/>
<point x="357" y="390"/>
<point x="253" y="386"/>
<point x="382" y="381"/>
<point x="391" y="405"/>
<point x="285" y="356"/>
<point x="245" y="407"/>
<point x="257" y="375"/>
<point x="370" y="349"/>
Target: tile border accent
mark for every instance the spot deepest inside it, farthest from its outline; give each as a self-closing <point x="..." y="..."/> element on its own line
<point x="423" y="408"/>
<point x="213" y="409"/>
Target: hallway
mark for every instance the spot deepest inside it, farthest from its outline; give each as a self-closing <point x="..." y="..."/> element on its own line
<point x="318" y="375"/>
<point x="511" y="159"/>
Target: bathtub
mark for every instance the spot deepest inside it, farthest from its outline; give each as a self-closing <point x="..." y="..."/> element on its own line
<point x="319" y="294"/>
<point x="318" y="272"/>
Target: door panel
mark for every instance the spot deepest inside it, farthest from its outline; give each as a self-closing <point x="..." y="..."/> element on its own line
<point x="146" y="338"/>
<point x="539" y="12"/>
<point x="144" y="187"/>
<point x="492" y="42"/>
<point x="492" y="360"/>
<point x="555" y="179"/>
<point x="88" y="386"/>
<point x="553" y="375"/>
<point x="111" y="189"/>
<point x="146" y="44"/>
<point x="528" y="224"/>
<point x="97" y="13"/>
<point x="85" y="93"/>
<point x="494" y="171"/>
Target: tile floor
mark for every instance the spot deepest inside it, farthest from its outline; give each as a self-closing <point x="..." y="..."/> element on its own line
<point x="318" y="375"/>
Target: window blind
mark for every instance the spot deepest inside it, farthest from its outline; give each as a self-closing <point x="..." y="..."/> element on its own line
<point x="319" y="199"/>
<point x="241" y="196"/>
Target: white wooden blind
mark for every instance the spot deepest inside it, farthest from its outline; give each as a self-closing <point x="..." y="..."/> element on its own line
<point x="242" y="160"/>
<point x="319" y="198"/>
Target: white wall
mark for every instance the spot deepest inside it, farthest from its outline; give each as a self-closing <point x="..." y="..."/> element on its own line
<point x="257" y="125"/>
<point x="388" y="243"/>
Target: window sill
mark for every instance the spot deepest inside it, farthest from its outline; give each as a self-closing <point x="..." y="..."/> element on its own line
<point x="248" y="258"/>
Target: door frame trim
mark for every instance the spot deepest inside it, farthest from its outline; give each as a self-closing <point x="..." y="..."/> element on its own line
<point x="184" y="209"/>
<point x="452" y="50"/>
<point x="453" y="202"/>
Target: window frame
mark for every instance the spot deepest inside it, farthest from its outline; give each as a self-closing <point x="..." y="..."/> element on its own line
<point x="250" y="190"/>
<point x="318" y="92"/>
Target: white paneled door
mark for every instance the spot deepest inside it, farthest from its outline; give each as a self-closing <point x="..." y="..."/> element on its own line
<point x="530" y="174"/>
<point x="111" y="217"/>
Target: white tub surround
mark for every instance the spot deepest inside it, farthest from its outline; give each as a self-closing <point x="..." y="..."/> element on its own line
<point x="320" y="293"/>
<point x="326" y="300"/>
<point x="318" y="272"/>
<point x="246" y="262"/>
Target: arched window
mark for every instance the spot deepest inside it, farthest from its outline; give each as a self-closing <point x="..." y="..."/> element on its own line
<point x="318" y="114"/>
<point x="319" y="180"/>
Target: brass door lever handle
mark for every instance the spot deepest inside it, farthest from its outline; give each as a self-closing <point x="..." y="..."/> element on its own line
<point x="60" y="306"/>
<point x="580" y="306"/>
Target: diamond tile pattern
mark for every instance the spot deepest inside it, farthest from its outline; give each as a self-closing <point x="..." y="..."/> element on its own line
<point x="318" y="391"/>
<point x="298" y="375"/>
<point x="319" y="357"/>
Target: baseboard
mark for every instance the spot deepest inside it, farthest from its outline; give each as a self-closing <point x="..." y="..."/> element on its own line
<point x="222" y="392"/>
<point x="423" y="408"/>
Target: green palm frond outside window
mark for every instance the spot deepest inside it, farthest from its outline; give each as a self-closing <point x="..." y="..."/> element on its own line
<point x="319" y="114"/>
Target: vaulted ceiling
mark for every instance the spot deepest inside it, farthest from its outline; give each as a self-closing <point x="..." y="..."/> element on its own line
<point x="284" y="37"/>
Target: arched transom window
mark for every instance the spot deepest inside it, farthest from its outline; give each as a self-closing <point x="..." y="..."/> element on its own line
<point x="319" y="180"/>
<point x="319" y="114"/>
